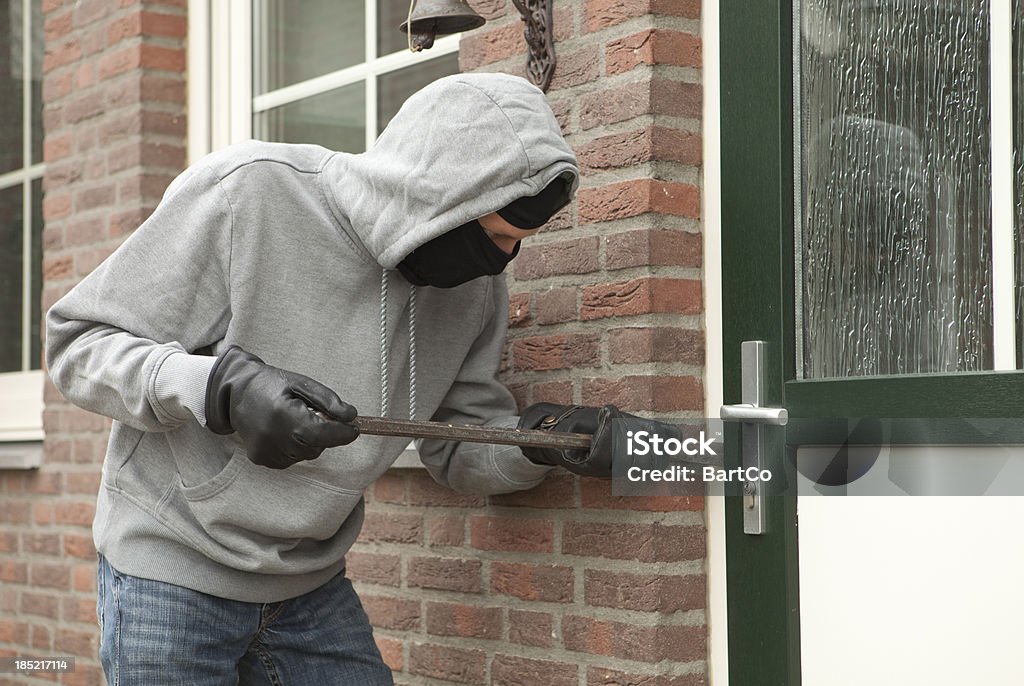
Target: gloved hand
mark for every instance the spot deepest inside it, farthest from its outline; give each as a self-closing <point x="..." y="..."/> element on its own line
<point x="272" y="410"/>
<point x="596" y="421"/>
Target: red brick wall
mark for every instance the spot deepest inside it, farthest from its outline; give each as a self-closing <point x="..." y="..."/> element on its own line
<point x="566" y="584"/>
<point x="114" y="99"/>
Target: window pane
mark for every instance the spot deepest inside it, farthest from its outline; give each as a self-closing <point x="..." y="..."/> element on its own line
<point x="894" y="177"/>
<point x="294" y="41"/>
<point x="393" y="88"/>
<point x="37" y="81"/>
<point x="11" y="131"/>
<point x="11" y="237"/>
<point x="335" y="119"/>
<point x="35" y="338"/>
<point x="390" y="15"/>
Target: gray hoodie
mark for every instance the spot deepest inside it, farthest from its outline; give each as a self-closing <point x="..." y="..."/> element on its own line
<point x="289" y="252"/>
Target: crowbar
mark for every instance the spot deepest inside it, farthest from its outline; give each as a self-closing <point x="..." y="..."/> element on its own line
<point x="531" y="438"/>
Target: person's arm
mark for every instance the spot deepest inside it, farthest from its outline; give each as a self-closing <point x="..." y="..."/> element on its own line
<point x="477" y="397"/>
<point x="119" y="343"/>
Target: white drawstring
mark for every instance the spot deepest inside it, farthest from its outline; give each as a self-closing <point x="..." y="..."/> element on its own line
<point x="384" y="369"/>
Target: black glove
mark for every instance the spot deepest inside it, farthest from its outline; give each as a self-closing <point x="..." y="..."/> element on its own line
<point x="279" y="415"/>
<point x="596" y="421"/>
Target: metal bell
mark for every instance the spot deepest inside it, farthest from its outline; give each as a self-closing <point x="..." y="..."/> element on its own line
<point x="431" y="18"/>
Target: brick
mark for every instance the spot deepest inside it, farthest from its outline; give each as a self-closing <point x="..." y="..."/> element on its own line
<point x="531" y="628"/>
<point x="84" y="107"/>
<point x="91" y="198"/>
<point x="392" y="528"/>
<point x="632" y="642"/>
<point x="644" y="592"/>
<point x="467" y="621"/>
<point x="640" y="196"/>
<point x="559" y="392"/>
<point x="653" y="46"/>
<point x="56" y="147"/>
<point x="630" y="148"/>
<point x="389" y="488"/>
<point x="512" y="534"/>
<point x="15" y="512"/>
<point x="390" y="652"/>
<point x="41" y="544"/>
<point x="373" y="568"/>
<point x="84" y="483"/>
<point x="655" y="344"/>
<point x="445" y="574"/>
<point x="597" y="494"/>
<point x="423" y="490"/>
<point x="651" y="393"/>
<point x="460" y="665"/>
<point x="88" y="11"/>
<point x="557" y="305"/>
<point x="57" y="86"/>
<point x="446" y="531"/>
<point x="646" y="295"/>
<point x="649" y="542"/>
<point x="76" y="514"/>
<point x="558" y="490"/>
<point x="57" y="26"/>
<point x="578" y="256"/>
<point x="12" y="572"/>
<point x="56" y="206"/>
<point x="558" y="351"/>
<point x="601" y="14"/>
<point x="399" y="614"/>
<point x="13" y="632"/>
<point x="518" y="310"/>
<point x="480" y="48"/>
<point x="72" y="642"/>
<point x="147" y="24"/>
<point x="576" y="68"/>
<point x="645" y="248"/>
<point x="598" y="676"/>
<point x="625" y="102"/>
<point x="509" y="670"/>
<point x="61" y="55"/>
<point x="79" y="546"/>
<point x="547" y="583"/>
<point x="39" y="605"/>
<point x="78" y="609"/>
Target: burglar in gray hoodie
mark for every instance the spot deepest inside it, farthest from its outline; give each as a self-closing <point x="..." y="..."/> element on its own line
<point x="273" y="286"/>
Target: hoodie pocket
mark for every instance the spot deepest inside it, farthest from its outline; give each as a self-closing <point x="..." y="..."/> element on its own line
<point x="254" y="511"/>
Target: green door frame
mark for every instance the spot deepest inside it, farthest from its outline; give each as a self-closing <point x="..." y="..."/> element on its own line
<point x="757" y="278"/>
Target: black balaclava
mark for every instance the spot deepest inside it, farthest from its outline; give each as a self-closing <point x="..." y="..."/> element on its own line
<point x="467" y="252"/>
<point x="463" y="254"/>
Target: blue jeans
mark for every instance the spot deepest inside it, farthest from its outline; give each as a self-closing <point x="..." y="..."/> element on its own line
<point x="153" y="633"/>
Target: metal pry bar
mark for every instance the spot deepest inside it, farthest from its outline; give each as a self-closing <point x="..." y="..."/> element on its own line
<point x="532" y="438"/>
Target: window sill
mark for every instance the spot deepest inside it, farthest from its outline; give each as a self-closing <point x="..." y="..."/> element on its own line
<point x="24" y="455"/>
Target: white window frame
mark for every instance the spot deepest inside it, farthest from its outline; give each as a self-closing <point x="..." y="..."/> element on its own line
<point x="221" y="102"/>
<point x="21" y="392"/>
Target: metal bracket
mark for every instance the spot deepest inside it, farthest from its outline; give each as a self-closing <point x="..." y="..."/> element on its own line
<point x="754" y="416"/>
<point x="540" y="41"/>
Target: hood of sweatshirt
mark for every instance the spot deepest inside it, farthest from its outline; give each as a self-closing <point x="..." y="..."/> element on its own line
<point x="462" y="147"/>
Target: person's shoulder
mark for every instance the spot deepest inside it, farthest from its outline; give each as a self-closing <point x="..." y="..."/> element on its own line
<point x="298" y="157"/>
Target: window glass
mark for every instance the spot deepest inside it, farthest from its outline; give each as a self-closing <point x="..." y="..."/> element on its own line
<point x="390" y="15"/>
<point x="36" y="299"/>
<point x="11" y="275"/>
<point x="295" y="41"/>
<point x="894" y="177"/>
<point x="36" y="75"/>
<point x="335" y="119"/>
<point x="393" y="88"/>
<point x="11" y="92"/>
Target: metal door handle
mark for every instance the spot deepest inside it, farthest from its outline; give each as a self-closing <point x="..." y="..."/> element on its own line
<point x="753" y="414"/>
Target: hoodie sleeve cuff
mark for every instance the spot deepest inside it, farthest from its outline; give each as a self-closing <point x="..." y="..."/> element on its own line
<point x="180" y="386"/>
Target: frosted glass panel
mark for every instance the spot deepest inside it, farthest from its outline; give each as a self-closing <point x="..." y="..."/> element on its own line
<point x="893" y="156"/>
<point x="1018" y="166"/>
